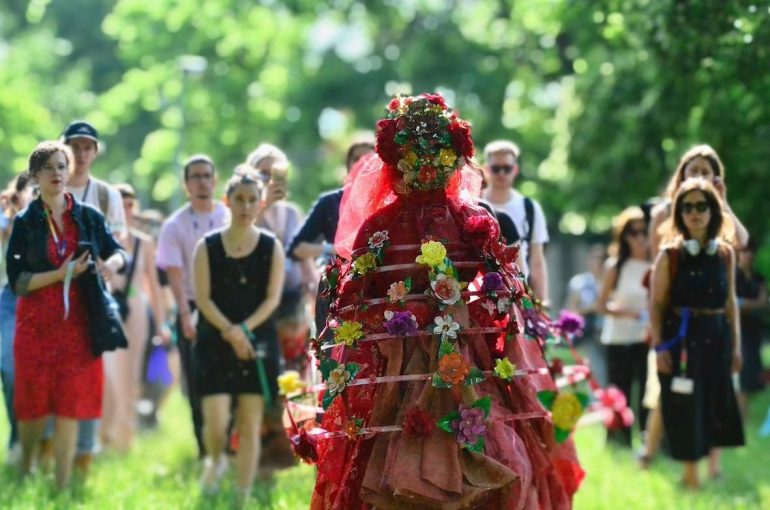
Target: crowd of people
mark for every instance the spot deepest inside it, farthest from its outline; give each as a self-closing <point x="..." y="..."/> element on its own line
<point x="221" y="296"/>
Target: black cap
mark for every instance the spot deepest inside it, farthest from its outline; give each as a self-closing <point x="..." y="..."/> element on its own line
<point x="80" y="129"/>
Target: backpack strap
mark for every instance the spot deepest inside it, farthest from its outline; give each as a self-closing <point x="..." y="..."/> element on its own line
<point x="529" y="211"/>
<point x="104" y="197"/>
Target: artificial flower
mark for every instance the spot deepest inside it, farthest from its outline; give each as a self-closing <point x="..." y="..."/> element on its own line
<point x="446" y="289"/>
<point x="566" y="411"/>
<point x="435" y="99"/>
<point x="400" y="323"/>
<point x="394" y="104"/>
<point x="461" y="138"/>
<point x="351" y="428"/>
<point x="338" y="379"/>
<point x="397" y="291"/>
<point x="470" y="426"/>
<point x="378" y="239"/>
<point x="617" y="414"/>
<point x="348" y="332"/>
<point x="427" y="174"/>
<point x="503" y="305"/>
<point x="432" y="254"/>
<point x="535" y="324"/>
<point x="418" y="422"/>
<point x="446" y="327"/>
<point x="570" y="323"/>
<point x="410" y="157"/>
<point x="447" y="157"/>
<point x="452" y="368"/>
<point x="492" y="281"/>
<point x="305" y="446"/>
<point x="504" y="369"/>
<point x="481" y="228"/>
<point x="489" y="306"/>
<point x="365" y="263"/>
<point x="556" y="367"/>
<point x="290" y="382"/>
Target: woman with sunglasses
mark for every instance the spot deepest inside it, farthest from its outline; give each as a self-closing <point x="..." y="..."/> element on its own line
<point x="696" y="330"/>
<point x="623" y="300"/>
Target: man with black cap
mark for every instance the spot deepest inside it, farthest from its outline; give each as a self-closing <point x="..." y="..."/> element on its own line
<point x="83" y="139"/>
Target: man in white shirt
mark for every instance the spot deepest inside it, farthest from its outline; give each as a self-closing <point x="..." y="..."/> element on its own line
<point x="501" y="170"/>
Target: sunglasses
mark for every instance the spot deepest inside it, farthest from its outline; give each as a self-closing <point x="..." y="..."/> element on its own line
<point x="699" y="207"/>
<point x="501" y="169"/>
<point x="635" y="232"/>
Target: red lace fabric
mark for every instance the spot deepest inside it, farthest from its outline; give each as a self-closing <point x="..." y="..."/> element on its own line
<point x="522" y="467"/>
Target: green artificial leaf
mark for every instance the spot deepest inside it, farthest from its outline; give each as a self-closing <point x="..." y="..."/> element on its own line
<point x="402" y="137"/>
<point x="527" y="303"/>
<point x="583" y="398"/>
<point x="446" y="348"/>
<point x="326" y="367"/>
<point x="408" y="284"/>
<point x="328" y="399"/>
<point x="485" y="404"/>
<point x="445" y="423"/>
<point x="477" y="447"/>
<point x="438" y="382"/>
<point x="474" y="377"/>
<point x="546" y="398"/>
<point x="363" y="307"/>
<point x="561" y="434"/>
<point x="353" y="368"/>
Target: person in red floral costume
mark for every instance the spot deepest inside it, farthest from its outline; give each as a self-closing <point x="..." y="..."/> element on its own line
<point x="435" y="375"/>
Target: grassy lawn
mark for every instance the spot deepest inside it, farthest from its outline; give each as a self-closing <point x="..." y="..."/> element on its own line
<point x="161" y="474"/>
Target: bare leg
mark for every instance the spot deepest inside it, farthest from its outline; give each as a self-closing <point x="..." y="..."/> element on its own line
<point x="65" y="437"/>
<point x="715" y="467"/>
<point x="30" y="435"/>
<point x="216" y="417"/>
<point x="690" y="478"/>
<point x="654" y="435"/>
<point x="249" y="415"/>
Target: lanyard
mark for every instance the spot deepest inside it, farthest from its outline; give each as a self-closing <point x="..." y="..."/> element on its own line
<point x="85" y="192"/>
<point x="61" y="244"/>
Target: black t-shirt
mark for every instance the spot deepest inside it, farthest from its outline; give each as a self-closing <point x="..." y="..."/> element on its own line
<point x="748" y="288"/>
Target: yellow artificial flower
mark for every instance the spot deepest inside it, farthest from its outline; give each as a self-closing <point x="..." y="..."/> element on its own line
<point x="433" y="253"/>
<point x="504" y="369"/>
<point x="365" y="263"/>
<point x="410" y="157"/>
<point x="289" y="382"/>
<point x="447" y="157"/>
<point x="566" y="411"/>
<point x="348" y="333"/>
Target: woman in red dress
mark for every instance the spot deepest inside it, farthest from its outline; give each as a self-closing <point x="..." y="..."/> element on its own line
<point x="56" y="374"/>
<point x="431" y="388"/>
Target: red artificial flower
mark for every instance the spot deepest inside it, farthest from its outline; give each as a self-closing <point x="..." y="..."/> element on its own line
<point x="461" y="138"/>
<point x="504" y="254"/>
<point x="435" y="99"/>
<point x="394" y="104"/>
<point x="556" y="368"/>
<point x="427" y="174"/>
<point x="418" y="422"/>
<point x="387" y="148"/>
<point x="481" y="228"/>
<point x="305" y="446"/>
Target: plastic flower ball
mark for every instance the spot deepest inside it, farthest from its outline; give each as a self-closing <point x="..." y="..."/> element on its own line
<point x="504" y="369"/>
<point x="447" y="157"/>
<point x="470" y="426"/>
<point x="290" y="382"/>
<point x="446" y="288"/>
<point x="397" y="291"/>
<point x="446" y="327"/>
<point x="432" y="254"/>
<point x="338" y="379"/>
<point x="452" y="368"/>
<point x="365" y="263"/>
<point x="566" y="411"/>
<point x="348" y="332"/>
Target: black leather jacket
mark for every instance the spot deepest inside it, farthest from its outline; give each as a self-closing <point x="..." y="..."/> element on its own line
<point x="28" y="247"/>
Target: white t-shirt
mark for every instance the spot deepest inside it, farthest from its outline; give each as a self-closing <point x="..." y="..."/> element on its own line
<point x="516" y="210"/>
<point x="629" y="294"/>
<point x="89" y="194"/>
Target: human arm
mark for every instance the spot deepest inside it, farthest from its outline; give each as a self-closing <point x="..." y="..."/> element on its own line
<point x="741" y="232"/>
<point x="758" y="303"/>
<point x="658" y="216"/>
<point x="154" y="291"/>
<point x="305" y="243"/>
<point x="538" y="272"/>
<point x="731" y="310"/>
<point x="659" y="298"/>
<point x="607" y="306"/>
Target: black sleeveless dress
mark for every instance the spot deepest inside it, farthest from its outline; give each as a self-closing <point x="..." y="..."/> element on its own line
<point x="238" y="287"/>
<point x="708" y="417"/>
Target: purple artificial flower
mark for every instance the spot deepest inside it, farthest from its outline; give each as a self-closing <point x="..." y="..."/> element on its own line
<point x="470" y="426"/>
<point x="400" y="323"/>
<point x="492" y="282"/>
<point x="570" y="323"/>
<point x="535" y="324"/>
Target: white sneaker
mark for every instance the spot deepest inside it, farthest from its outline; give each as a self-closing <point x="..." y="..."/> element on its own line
<point x="14" y="454"/>
<point x="212" y="474"/>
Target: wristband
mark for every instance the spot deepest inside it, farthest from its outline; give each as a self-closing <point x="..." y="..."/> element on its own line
<point x="246" y="331"/>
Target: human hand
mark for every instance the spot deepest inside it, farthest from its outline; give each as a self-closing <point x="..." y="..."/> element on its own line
<point x="163" y="335"/>
<point x="275" y="191"/>
<point x="188" y="328"/>
<point x="663" y="359"/>
<point x="105" y="270"/>
<point x="237" y="339"/>
<point x="719" y="185"/>
<point x="737" y="363"/>
<point x="80" y="267"/>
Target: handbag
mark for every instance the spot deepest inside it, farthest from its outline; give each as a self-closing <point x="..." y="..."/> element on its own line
<point x="121" y="296"/>
<point x="104" y="324"/>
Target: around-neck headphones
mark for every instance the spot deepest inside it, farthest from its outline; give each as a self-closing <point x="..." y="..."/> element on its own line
<point x="693" y="247"/>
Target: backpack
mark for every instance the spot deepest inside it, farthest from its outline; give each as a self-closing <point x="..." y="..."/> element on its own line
<point x="508" y="228"/>
<point x="104" y="197"/>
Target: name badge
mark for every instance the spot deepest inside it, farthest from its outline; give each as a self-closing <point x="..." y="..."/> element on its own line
<point x="682" y="385"/>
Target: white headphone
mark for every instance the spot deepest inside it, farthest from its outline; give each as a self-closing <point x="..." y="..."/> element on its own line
<point x="693" y="247"/>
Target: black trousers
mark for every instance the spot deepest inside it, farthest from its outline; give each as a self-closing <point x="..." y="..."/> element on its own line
<point x="186" y="359"/>
<point x="626" y="365"/>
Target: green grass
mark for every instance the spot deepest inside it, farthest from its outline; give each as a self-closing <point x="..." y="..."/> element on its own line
<point x="160" y="473"/>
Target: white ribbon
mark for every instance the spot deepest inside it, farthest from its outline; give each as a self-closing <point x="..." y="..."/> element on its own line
<point x="67" y="282"/>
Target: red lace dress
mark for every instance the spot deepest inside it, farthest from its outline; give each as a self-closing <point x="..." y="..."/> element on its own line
<point x="55" y="371"/>
<point x="521" y="466"/>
